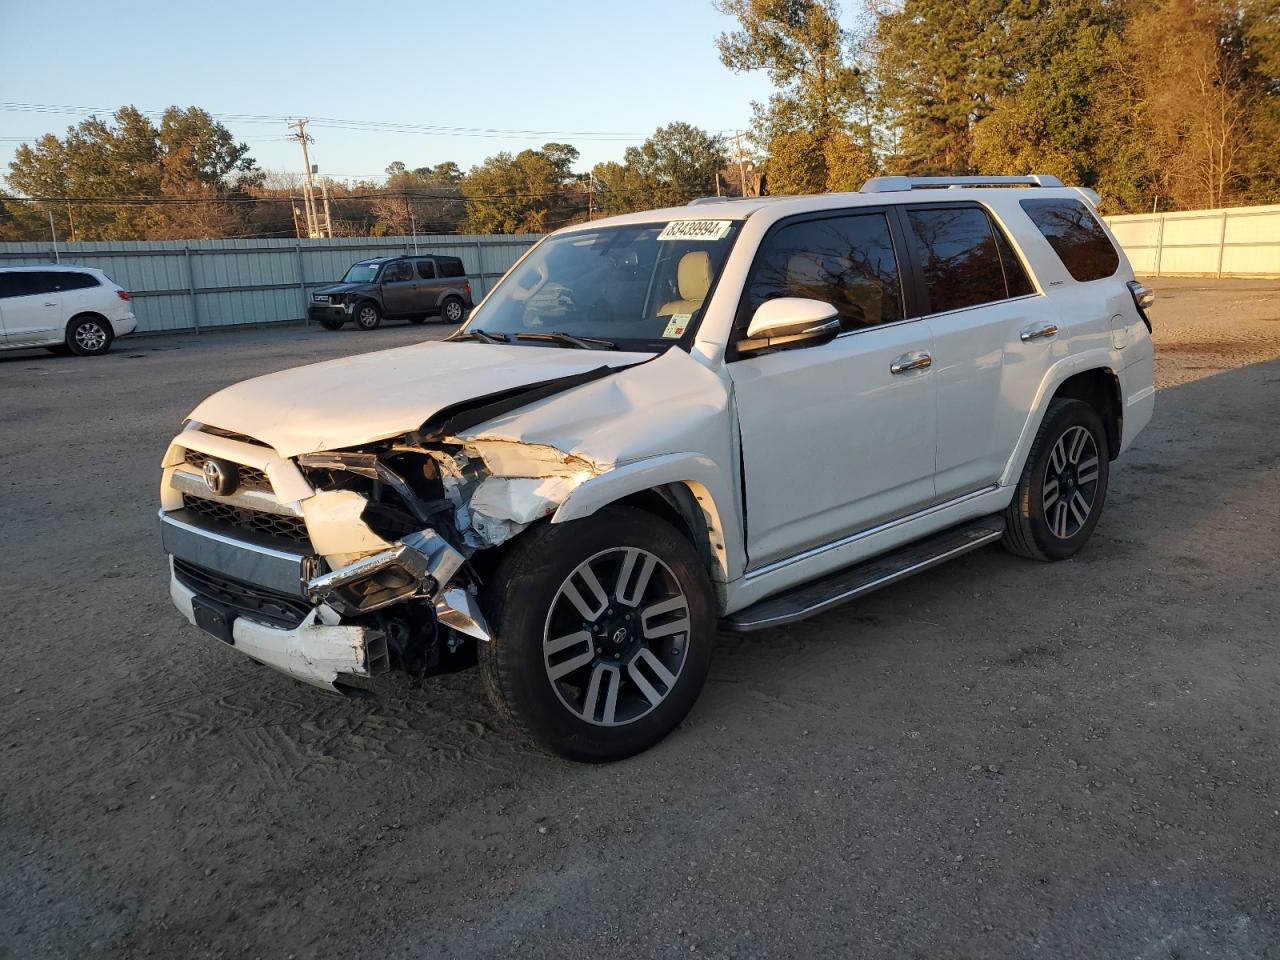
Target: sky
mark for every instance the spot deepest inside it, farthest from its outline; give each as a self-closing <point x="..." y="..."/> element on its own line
<point x="599" y="75"/>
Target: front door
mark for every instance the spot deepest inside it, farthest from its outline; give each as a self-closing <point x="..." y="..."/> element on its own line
<point x="30" y="306"/>
<point x="840" y="437"/>
<point x="399" y="288"/>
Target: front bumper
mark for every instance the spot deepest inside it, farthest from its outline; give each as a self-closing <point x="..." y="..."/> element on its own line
<point x="313" y="652"/>
<point x="328" y="311"/>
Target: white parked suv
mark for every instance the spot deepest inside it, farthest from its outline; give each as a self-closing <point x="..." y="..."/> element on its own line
<point x="730" y="415"/>
<point x="62" y="308"/>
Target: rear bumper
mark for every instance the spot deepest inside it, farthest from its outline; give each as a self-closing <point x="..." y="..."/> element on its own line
<point x="123" y="326"/>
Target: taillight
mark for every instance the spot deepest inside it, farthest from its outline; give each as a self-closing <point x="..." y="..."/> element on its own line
<point x="467" y="287"/>
<point x="122" y="294"/>
<point x="1143" y="297"/>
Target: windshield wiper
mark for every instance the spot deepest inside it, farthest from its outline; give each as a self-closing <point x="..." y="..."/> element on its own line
<point x="475" y="333"/>
<point x="569" y="340"/>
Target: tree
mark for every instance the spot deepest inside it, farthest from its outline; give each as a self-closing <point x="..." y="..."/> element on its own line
<point x="817" y="127"/>
<point x="675" y="165"/>
<point x="529" y="192"/>
<point x="188" y="157"/>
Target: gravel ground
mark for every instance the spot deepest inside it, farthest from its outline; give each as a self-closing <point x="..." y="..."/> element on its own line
<point x="995" y="759"/>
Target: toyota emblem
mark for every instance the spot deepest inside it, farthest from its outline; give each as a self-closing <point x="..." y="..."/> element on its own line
<point x="219" y="477"/>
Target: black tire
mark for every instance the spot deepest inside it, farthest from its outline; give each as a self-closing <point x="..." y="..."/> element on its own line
<point x="1057" y="532"/>
<point x="332" y="323"/>
<point x="525" y="598"/>
<point x="453" y="310"/>
<point x="417" y="319"/>
<point x="367" y="316"/>
<point x="89" y="335"/>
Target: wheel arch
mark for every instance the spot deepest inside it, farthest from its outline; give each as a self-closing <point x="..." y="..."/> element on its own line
<point x="88" y="314"/>
<point x="1090" y="378"/>
<point x="687" y="491"/>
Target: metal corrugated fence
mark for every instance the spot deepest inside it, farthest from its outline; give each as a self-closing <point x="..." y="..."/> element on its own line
<point x="1231" y="242"/>
<point x="199" y="284"/>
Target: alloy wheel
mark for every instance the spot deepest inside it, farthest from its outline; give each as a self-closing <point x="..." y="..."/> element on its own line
<point x="90" y="336"/>
<point x="453" y="311"/>
<point x="1070" y="483"/>
<point x="614" y="653"/>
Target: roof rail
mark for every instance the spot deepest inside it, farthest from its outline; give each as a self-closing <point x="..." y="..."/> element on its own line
<point x="898" y="184"/>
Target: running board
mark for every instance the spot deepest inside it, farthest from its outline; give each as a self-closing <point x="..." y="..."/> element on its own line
<point x="836" y="588"/>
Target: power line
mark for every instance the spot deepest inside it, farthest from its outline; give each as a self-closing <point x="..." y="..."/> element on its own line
<point x="381" y="126"/>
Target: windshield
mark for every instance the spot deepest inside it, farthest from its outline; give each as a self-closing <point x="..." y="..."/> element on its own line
<point x="641" y="286"/>
<point x="365" y="272"/>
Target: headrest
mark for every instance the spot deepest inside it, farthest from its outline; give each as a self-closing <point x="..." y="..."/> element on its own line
<point x="693" y="275"/>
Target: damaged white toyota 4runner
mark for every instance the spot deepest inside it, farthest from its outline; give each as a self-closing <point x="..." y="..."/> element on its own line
<point x="730" y="415"/>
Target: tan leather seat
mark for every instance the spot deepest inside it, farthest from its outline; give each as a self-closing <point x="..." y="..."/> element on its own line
<point x="693" y="279"/>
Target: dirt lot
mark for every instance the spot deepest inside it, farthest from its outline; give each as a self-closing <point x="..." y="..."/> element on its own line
<point x="996" y="759"/>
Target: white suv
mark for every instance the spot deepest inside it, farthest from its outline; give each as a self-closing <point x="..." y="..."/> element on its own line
<point x="62" y="308"/>
<point x="730" y="415"/>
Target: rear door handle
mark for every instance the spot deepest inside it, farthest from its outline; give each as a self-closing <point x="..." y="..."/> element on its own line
<point x="911" y="361"/>
<point x="1041" y="332"/>
<point x="51" y="303"/>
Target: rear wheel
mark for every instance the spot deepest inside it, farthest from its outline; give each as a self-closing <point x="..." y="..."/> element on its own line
<point x="603" y="634"/>
<point x="89" y="336"/>
<point x="368" y="316"/>
<point x="1060" y="495"/>
<point x="452" y="310"/>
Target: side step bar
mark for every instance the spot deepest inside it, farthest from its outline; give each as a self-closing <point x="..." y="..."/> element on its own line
<point x="856" y="581"/>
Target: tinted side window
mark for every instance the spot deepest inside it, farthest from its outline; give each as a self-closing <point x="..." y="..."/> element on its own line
<point x="78" y="281"/>
<point x="426" y="270"/>
<point x="400" y="270"/>
<point x="846" y="261"/>
<point x="40" y="281"/>
<point x="1076" y="237"/>
<point x="1015" y="275"/>
<point x="451" y="267"/>
<point x="957" y="251"/>
<point x="13" y="284"/>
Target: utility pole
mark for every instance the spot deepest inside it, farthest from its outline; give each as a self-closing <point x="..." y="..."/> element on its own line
<point x="297" y="229"/>
<point x="53" y="233"/>
<point x="742" y="168"/>
<point x="591" y="193"/>
<point x="314" y="229"/>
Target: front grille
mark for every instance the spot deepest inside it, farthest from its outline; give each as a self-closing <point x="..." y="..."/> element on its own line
<point x="251" y="478"/>
<point x="252" y="602"/>
<point x="271" y="524"/>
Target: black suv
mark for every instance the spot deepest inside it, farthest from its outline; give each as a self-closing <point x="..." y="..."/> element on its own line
<point x="411" y="287"/>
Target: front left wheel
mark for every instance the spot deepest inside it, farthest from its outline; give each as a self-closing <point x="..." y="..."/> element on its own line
<point x="89" y="336"/>
<point x="368" y="316"/>
<point x="603" y="630"/>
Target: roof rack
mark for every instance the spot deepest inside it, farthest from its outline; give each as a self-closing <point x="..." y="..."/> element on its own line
<point x="898" y="184"/>
<point x="700" y="200"/>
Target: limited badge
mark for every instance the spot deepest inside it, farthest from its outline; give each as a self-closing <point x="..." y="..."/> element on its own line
<point x="696" y="230"/>
<point x="678" y="324"/>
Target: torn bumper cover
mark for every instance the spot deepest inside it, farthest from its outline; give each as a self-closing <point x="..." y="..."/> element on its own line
<point x="274" y="605"/>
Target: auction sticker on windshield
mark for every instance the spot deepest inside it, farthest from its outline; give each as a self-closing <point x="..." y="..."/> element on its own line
<point x="696" y="230"/>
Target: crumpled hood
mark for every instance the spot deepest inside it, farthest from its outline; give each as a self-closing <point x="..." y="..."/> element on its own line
<point x="336" y="288"/>
<point x="374" y="396"/>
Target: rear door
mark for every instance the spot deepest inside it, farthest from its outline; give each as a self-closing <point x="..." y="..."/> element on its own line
<point x="993" y="339"/>
<point x="32" y="307"/>
<point x="428" y="292"/>
<point x="399" y="288"/>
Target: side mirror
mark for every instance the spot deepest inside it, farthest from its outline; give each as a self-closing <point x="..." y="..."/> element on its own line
<point x="790" y="321"/>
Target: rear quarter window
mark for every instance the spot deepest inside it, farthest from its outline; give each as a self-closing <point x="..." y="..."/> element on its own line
<point x="450" y="267"/>
<point x="1076" y="237"/>
<point x="79" y="281"/>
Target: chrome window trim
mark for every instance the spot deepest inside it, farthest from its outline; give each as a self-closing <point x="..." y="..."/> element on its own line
<point x="817" y="551"/>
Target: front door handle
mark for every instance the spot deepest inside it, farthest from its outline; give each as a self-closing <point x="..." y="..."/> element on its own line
<point x="51" y="303"/>
<point x="911" y="361"/>
<point x="1041" y="332"/>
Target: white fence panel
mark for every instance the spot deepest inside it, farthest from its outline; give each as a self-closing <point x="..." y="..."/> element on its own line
<point x="1231" y="242"/>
